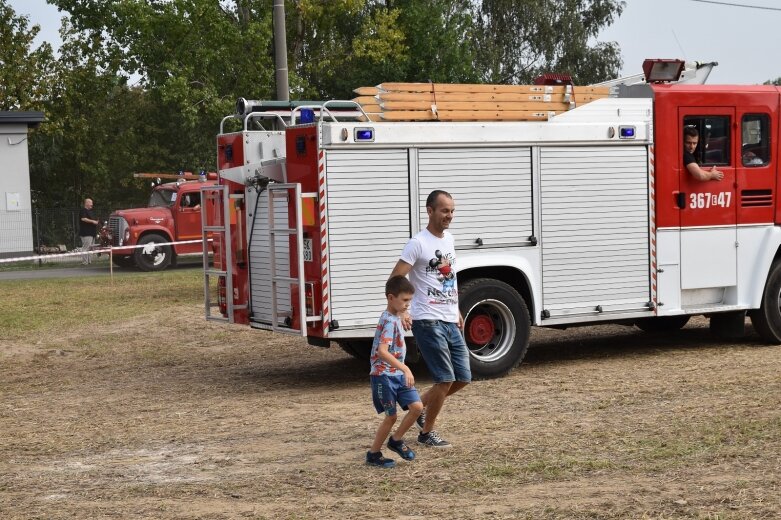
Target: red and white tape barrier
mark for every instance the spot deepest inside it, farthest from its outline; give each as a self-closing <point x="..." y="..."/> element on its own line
<point x="93" y="251"/>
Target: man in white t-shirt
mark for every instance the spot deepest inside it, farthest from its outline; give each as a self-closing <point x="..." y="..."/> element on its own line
<point x="429" y="259"/>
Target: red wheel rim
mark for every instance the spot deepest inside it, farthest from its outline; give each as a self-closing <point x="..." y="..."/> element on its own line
<point x="480" y="329"/>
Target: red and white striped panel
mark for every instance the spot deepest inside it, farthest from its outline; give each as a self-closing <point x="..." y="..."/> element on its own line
<point x="652" y="224"/>
<point x="324" y="281"/>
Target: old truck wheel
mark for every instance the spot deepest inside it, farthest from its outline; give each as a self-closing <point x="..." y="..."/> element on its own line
<point x="662" y="324"/>
<point x="153" y="256"/>
<point x="496" y="326"/>
<point x="767" y="319"/>
<point x="124" y="261"/>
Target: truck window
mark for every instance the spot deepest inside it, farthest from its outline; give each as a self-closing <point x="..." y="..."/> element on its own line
<point x="755" y="139"/>
<point x="714" y="146"/>
<point x="192" y="200"/>
<point x="162" y="198"/>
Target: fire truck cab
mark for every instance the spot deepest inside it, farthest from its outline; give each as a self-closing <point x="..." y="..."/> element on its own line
<point x="586" y="218"/>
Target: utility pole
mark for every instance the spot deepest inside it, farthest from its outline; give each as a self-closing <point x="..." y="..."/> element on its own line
<point x="280" y="51"/>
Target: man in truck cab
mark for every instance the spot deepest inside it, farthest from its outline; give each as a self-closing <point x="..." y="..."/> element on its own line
<point x="691" y="137"/>
<point x="192" y="201"/>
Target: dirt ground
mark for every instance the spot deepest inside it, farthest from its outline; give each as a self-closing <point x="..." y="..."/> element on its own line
<point x="179" y="418"/>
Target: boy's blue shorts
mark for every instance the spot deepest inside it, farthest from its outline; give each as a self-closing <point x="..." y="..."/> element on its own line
<point x="389" y="390"/>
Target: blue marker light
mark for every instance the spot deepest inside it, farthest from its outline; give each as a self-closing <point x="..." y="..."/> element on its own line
<point x="626" y="132"/>
<point x="364" y="134"/>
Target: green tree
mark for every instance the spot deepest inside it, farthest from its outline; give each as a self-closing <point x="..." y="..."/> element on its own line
<point x="89" y="145"/>
<point x="519" y="39"/>
<point x="333" y="45"/>
<point x="338" y="46"/>
<point x="776" y="81"/>
<point x="25" y="72"/>
<point x="142" y="86"/>
<point x="440" y="36"/>
<point x="193" y="57"/>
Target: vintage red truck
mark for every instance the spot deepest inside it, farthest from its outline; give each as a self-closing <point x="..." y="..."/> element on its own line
<point x="148" y="238"/>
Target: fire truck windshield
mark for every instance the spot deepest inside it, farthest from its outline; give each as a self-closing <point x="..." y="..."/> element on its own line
<point x="162" y="198"/>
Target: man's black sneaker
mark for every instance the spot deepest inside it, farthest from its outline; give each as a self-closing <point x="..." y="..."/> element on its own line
<point x="376" y="459"/>
<point x="421" y="420"/>
<point x="433" y="439"/>
<point x="401" y="448"/>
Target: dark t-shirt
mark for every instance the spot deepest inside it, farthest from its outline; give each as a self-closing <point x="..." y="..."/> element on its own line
<point x="87" y="229"/>
<point x="688" y="158"/>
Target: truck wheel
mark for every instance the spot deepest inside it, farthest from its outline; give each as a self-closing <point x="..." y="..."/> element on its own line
<point x="125" y="261"/>
<point x="357" y="348"/>
<point x="767" y="319"/>
<point x="152" y="257"/>
<point x="662" y="324"/>
<point x="362" y="349"/>
<point x="496" y="326"/>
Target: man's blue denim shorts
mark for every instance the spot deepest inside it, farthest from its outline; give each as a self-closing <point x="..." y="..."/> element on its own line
<point x="443" y="348"/>
<point x="389" y="390"/>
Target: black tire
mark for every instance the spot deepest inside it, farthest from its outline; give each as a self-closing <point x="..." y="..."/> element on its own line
<point x="728" y="325"/>
<point x="767" y="319"/>
<point x="496" y="326"/>
<point x="662" y="324"/>
<point x="362" y="348"/>
<point x="357" y="348"/>
<point x="125" y="262"/>
<point x="153" y="257"/>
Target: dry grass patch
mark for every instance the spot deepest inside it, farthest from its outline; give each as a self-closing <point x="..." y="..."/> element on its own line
<point x="131" y="405"/>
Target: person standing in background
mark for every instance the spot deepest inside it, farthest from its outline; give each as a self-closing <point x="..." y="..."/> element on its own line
<point x="88" y="228"/>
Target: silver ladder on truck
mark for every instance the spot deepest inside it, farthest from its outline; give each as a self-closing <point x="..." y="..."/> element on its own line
<point x="220" y="233"/>
<point x="281" y="321"/>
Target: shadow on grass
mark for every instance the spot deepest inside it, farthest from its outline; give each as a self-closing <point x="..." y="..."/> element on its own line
<point x="629" y="341"/>
<point x="557" y="347"/>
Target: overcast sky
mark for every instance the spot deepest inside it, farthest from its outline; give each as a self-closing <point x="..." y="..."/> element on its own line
<point x="744" y="41"/>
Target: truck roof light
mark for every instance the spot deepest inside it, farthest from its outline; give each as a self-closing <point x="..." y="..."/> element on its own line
<point x="662" y="70"/>
<point x="307" y="116"/>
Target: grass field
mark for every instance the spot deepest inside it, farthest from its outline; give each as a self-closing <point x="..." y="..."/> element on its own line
<point x="118" y="400"/>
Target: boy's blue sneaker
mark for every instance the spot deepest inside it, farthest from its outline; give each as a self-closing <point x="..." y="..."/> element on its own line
<point x="421" y="420"/>
<point x="401" y="448"/>
<point x="376" y="459"/>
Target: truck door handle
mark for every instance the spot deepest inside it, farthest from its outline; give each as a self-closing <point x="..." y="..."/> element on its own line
<point x="680" y="199"/>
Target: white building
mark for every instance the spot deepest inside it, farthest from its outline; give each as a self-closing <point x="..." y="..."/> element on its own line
<point x="16" y="229"/>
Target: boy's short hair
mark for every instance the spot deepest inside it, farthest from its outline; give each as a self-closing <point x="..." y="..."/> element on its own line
<point x="397" y="285"/>
<point x="690" y="131"/>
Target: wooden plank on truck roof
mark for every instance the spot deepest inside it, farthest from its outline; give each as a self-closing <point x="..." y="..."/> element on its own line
<point x="470" y="87"/>
<point x="586" y="98"/>
<point x="468" y="115"/>
<point x="366" y="91"/>
<point x="469" y="96"/>
<point x="365" y="99"/>
<point x="375" y="117"/>
<point x="371" y="107"/>
<point x="538" y="106"/>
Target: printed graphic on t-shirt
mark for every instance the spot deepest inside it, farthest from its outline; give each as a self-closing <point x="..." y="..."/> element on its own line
<point x="441" y="267"/>
<point x="389" y="332"/>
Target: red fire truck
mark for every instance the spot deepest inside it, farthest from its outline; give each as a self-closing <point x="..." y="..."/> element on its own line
<point x="145" y="237"/>
<point x="589" y="217"/>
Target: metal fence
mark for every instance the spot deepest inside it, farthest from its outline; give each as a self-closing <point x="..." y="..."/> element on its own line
<point x="49" y="227"/>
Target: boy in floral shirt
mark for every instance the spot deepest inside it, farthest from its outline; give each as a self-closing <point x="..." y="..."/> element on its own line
<point x="392" y="381"/>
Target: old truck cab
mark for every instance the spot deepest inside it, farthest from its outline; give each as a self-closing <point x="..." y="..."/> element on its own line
<point x="152" y="238"/>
